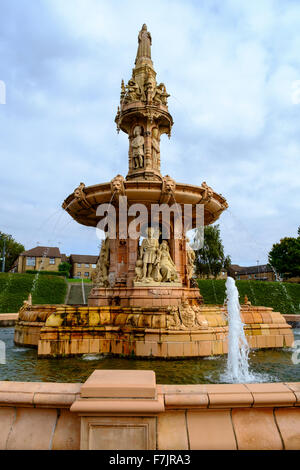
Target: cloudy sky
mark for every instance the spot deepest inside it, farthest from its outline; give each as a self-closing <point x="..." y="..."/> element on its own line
<point x="231" y="67"/>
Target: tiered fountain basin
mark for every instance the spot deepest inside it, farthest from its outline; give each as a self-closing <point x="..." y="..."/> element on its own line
<point x="30" y="322"/>
<point x="142" y="192"/>
<point x="62" y="331"/>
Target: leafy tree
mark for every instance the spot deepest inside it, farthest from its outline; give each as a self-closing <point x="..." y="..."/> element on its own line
<point x="12" y="250"/>
<point x="65" y="267"/>
<point x="210" y="259"/>
<point x="285" y="256"/>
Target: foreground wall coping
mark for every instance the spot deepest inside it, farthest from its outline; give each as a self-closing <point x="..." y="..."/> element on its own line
<point x="174" y="396"/>
<point x="38" y="394"/>
<point x="9" y="316"/>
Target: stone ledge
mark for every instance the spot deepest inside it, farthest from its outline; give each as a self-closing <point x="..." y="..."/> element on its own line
<point x="271" y="394"/>
<point x="8" y="319"/>
<point x="35" y="394"/>
<point x="105" y="407"/>
<point x="120" y="384"/>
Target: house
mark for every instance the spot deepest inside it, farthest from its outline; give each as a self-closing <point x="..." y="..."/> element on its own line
<point x="263" y="272"/>
<point x="82" y="266"/>
<point x="46" y="258"/>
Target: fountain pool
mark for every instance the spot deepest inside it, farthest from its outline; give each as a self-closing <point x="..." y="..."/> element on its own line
<point x="22" y="365"/>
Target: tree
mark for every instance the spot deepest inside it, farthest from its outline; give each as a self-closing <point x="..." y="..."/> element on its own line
<point x="285" y="256"/>
<point x="210" y="259"/>
<point x="12" y="250"/>
<point x="65" y="267"/>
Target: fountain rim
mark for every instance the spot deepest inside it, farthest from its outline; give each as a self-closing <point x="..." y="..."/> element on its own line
<point x="142" y="191"/>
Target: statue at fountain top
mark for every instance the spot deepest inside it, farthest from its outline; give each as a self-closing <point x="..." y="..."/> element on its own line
<point x="145" y="42"/>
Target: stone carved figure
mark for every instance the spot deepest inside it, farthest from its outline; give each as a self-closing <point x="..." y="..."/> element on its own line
<point x="80" y="195"/>
<point x="191" y="256"/>
<point x="166" y="266"/>
<point x="145" y="42"/>
<point x="155" y="148"/>
<point x="208" y="192"/>
<point x="100" y="275"/>
<point x="173" y="319"/>
<point x="118" y="185"/>
<point x="168" y="190"/>
<point x="139" y="266"/>
<point x="26" y="305"/>
<point x="150" y="85"/>
<point x="148" y="253"/>
<point x="200" y="318"/>
<point x="138" y="148"/>
<point x="161" y="96"/>
<point x="133" y="92"/>
<point x="187" y="315"/>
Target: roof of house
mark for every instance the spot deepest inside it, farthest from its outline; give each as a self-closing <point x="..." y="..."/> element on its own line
<point x="40" y="251"/>
<point x="84" y="259"/>
<point x="262" y="268"/>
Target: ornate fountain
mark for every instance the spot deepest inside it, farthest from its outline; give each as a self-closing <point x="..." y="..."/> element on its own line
<point x="144" y="300"/>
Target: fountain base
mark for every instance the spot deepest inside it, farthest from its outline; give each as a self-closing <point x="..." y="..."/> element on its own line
<point x="153" y="332"/>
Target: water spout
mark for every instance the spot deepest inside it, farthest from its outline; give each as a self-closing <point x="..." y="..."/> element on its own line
<point x="238" y="350"/>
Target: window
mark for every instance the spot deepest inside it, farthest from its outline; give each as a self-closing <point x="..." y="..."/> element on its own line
<point x="79" y="265"/>
<point x="86" y="274"/>
<point x="51" y="260"/>
<point x="87" y="265"/>
<point x="94" y="266"/>
<point x="79" y="274"/>
<point x="30" y="261"/>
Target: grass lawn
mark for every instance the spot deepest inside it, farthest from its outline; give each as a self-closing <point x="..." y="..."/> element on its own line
<point x="15" y="288"/>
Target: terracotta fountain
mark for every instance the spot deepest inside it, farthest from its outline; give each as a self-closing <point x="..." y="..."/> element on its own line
<point x="144" y="301"/>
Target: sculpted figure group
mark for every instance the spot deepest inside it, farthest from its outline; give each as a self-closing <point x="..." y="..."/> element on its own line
<point x="154" y="261"/>
<point x="186" y="317"/>
<point x="151" y="93"/>
<point x="100" y="275"/>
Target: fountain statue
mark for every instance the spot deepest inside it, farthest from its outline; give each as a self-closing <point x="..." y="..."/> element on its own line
<point x="145" y="301"/>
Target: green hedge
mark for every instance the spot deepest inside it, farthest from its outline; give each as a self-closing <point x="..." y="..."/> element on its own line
<point x="15" y="288"/>
<point x="49" y="273"/>
<point x="283" y="297"/>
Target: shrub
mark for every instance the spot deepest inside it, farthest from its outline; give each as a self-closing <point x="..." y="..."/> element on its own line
<point x="281" y="296"/>
<point x="15" y="288"/>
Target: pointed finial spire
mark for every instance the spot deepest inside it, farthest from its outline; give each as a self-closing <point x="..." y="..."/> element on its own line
<point x="145" y="42"/>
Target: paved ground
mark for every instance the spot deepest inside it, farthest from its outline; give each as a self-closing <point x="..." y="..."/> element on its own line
<point x="75" y="294"/>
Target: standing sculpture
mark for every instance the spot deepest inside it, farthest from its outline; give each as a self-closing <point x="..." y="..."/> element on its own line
<point x="145" y="42"/>
<point x="148" y="253"/>
<point x="138" y="148"/>
<point x="166" y="265"/>
<point x="100" y="275"/>
<point x="155" y="148"/>
<point x="191" y="256"/>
